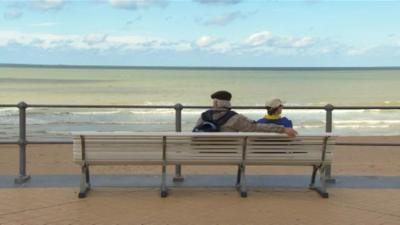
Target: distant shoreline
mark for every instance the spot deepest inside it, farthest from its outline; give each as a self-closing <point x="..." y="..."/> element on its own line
<point x="46" y="66"/>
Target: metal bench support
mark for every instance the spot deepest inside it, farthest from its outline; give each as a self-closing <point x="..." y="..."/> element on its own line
<point x="85" y="175"/>
<point x="322" y="173"/>
<point x="164" y="189"/>
<point x="85" y="181"/>
<point x="242" y="173"/>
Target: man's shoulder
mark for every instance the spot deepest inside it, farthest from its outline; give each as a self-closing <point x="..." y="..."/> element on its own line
<point x="286" y="119"/>
<point x="242" y="119"/>
<point x="286" y="122"/>
<point x="262" y="120"/>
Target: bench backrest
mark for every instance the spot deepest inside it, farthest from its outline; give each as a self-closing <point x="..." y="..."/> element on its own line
<point x="118" y="149"/>
<point x="204" y="150"/>
<point x="301" y="150"/>
<point x="200" y="148"/>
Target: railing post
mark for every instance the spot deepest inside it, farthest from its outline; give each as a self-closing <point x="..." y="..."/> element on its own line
<point x="22" y="178"/>
<point x="178" y="128"/>
<point x="328" y="128"/>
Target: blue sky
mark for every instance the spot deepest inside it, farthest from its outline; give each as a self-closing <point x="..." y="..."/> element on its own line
<point x="239" y="33"/>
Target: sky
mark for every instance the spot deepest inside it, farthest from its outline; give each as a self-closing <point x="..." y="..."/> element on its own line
<point x="209" y="33"/>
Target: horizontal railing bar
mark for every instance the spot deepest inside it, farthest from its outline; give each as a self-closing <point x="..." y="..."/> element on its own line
<point x="258" y="107"/>
<point x="365" y="107"/>
<point x="337" y="143"/>
<point x="202" y="107"/>
<point x="8" y="142"/>
<point x="49" y="142"/>
<point x="367" y="144"/>
<point x="36" y="142"/>
<point x="104" y="106"/>
<point x="286" y="107"/>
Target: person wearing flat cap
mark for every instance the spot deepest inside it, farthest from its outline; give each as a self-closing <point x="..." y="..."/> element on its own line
<point x="230" y="121"/>
<point x="274" y="110"/>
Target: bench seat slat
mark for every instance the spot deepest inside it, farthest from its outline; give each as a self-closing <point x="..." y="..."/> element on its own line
<point x="203" y="162"/>
<point x="285" y="162"/>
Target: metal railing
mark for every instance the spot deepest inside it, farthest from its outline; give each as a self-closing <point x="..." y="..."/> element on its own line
<point x="22" y="141"/>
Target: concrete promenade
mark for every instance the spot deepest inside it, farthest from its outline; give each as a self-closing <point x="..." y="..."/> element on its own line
<point x="367" y="192"/>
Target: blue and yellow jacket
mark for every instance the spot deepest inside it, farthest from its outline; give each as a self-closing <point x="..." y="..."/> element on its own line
<point x="276" y="119"/>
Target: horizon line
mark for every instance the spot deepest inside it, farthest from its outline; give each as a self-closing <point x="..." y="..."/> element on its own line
<point x="195" y="67"/>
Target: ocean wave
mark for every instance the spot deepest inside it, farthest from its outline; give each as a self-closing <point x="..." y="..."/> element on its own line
<point x="361" y="126"/>
<point x="7" y="109"/>
<point x="96" y="112"/>
<point x="152" y="111"/>
<point x="309" y="126"/>
<point x="158" y="103"/>
<point x="94" y="123"/>
<point x="367" y="122"/>
<point x="9" y="112"/>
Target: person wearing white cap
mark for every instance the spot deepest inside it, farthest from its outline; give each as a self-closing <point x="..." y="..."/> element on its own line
<point x="273" y="116"/>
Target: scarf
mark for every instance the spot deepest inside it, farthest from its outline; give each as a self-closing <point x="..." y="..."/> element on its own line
<point x="272" y="117"/>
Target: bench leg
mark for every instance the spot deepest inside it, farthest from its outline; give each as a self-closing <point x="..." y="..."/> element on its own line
<point x="178" y="174"/>
<point x="87" y="173"/>
<point x="242" y="186"/>
<point x="314" y="173"/>
<point x="322" y="189"/>
<point x="85" y="182"/>
<point x="238" y="175"/>
<point x="164" y="190"/>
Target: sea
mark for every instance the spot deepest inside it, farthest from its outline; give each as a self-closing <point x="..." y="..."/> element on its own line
<point x="167" y="86"/>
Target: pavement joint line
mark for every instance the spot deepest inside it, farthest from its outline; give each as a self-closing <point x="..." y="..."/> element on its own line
<point x="370" y="210"/>
<point x="39" y="208"/>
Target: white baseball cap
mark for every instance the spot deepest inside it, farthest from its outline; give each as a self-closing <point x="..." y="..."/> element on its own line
<point x="274" y="103"/>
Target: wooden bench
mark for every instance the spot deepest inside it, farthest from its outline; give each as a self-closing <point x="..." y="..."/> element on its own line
<point x="187" y="148"/>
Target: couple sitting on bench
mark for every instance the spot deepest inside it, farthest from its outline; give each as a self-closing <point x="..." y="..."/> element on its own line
<point x="221" y="118"/>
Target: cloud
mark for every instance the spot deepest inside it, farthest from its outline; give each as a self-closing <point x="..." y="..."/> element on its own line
<point x="357" y="51"/>
<point x="183" y="46"/>
<point x="137" y="4"/>
<point x="45" y="5"/>
<point x="264" y="43"/>
<point x="218" y="2"/>
<point x="223" y="20"/>
<point x="95" y="41"/>
<point x="266" y="38"/>
<point x="259" y="38"/>
<point x="386" y="49"/>
<point x="293" y="42"/>
<point x="12" y="14"/>
<point x="204" y="41"/>
<point x="221" y="47"/>
<point x="257" y="43"/>
<point x="213" y="45"/>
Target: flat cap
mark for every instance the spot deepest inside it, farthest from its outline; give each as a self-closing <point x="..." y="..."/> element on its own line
<point x="222" y="95"/>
